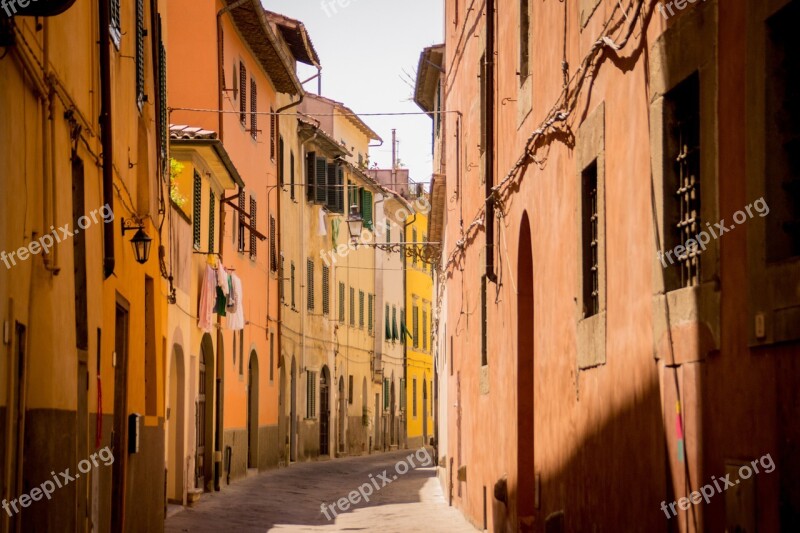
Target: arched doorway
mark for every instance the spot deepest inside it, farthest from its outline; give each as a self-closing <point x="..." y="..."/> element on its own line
<point x="342" y="413"/>
<point x="525" y="383"/>
<point x="324" y="411"/>
<point x="252" y="411"/>
<point x="392" y="408"/>
<point x="293" y="414"/>
<point x="282" y="417"/>
<point x="175" y="421"/>
<point x="204" y="461"/>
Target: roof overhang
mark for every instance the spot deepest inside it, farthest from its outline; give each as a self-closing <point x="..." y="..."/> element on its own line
<point x="350" y="115"/>
<point x="297" y="39"/>
<point x="429" y="69"/>
<point x="251" y="20"/>
<point x="309" y="131"/>
<point x="438" y="204"/>
<point x="214" y="154"/>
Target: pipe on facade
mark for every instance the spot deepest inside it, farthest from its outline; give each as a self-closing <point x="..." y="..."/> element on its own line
<point x="106" y="137"/>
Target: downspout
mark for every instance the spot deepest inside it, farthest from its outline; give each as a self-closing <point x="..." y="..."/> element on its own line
<point x="106" y="137"/>
<point x="490" y="141"/>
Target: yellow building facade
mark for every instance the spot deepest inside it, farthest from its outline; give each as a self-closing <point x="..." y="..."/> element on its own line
<point x="419" y="388"/>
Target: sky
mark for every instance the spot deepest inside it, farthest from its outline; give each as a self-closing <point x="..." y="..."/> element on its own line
<point x="369" y="52"/>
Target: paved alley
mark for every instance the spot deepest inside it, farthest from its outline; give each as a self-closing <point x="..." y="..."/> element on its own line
<point x="289" y="499"/>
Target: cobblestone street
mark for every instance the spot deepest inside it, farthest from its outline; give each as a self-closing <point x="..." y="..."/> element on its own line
<point x="289" y="499"/>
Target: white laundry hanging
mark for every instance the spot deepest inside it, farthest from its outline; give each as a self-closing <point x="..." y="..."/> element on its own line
<point x="208" y="295"/>
<point x="236" y="317"/>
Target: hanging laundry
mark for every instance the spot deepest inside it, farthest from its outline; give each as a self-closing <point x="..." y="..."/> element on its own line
<point x="232" y="297"/>
<point x="335" y="231"/>
<point x="322" y="230"/>
<point x="207" y="299"/>
<point x="222" y="290"/>
<point x="236" y="318"/>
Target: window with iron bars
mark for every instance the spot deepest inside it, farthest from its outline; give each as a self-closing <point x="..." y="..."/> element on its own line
<point x="682" y="105"/>
<point x="590" y="236"/>
<point x="254" y="110"/>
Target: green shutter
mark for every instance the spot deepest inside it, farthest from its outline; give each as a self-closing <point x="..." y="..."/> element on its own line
<point x="366" y="203"/>
<point x="388" y="325"/>
<point x="385" y="394"/>
<point x="311" y="173"/>
<point x="322" y="179"/>
<point x="330" y="200"/>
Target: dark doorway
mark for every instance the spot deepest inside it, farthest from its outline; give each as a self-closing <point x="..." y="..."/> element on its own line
<point x="342" y="413"/>
<point x="425" y="410"/>
<point x="205" y="423"/>
<point x="293" y="420"/>
<point x="120" y="441"/>
<point x="525" y="383"/>
<point x="324" y="411"/>
<point x="252" y="411"/>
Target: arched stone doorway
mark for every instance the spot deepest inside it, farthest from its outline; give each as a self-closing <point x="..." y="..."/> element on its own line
<point x="525" y="502"/>
<point x="252" y="411"/>
<point x="204" y="461"/>
<point x="175" y="425"/>
<point x="324" y="411"/>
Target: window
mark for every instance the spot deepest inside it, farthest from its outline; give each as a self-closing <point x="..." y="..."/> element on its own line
<point x="294" y="306"/>
<point x="352" y="306"/>
<point x="241" y="220"/>
<point x="341" y="302"/>
<point x="272" y="133"/>
<point x="395" y="333"/>
<point x="403" y="329"/>
<point x="330" y="200"/>
<point x="366" y="208"/>
<point x="682" y="107"/>
<point x="388" y="324"/>
<point x="242" y="94"/>
<point x="590" y="242"/>
<point x="415" y="326"/>
<point x="402" y="394"/>
<point x="271" y="356"/>
<point x="414" y="397"/>
<point x="280" y="161"/>
<point x="253" y="110"/>
<point x="361" y="309"/>
<point x="310" y="283"/>
<point x="163" y="115"/>
<point x="140" y="53"/>
<point x="253" y="222"/>
<point x="282" y="279"/>
<point x="197" y="209"/>
<point x="524" y="39"/>
<point x="386" y="394"/>
<point x="350" y="389"/>
<point x="311" y="175"/>
<point x="115" y="28"/>
<point x="311" y="394"/>
<point x="212" y="209"/>
<point x="424" y="330"/>
<point x="321" y="181"/>
<point x="370" y="312"/>
<point x="483" y="102"/>
<point x="241" y="351"/>
<point x="273" y="244"/>
<point x="326" y="301"/>
<point x="782" y="129"/>
<point x="291" y="174"/>
<point x="484" y="324"/>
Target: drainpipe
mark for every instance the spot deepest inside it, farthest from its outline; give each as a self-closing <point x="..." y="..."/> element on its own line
<point x="106" y="137"/>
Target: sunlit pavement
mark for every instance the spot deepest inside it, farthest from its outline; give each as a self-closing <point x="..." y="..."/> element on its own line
<point x="289" y="499"/>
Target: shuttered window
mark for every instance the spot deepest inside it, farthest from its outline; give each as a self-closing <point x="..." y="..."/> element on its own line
<point x="272" y="133"/>
<point x="370" y="312"/>
<point x="197" y="205"/>
<point x="361" y="309"/>
<point x="291" y="175"/>
<point x="385" y="394"/>
<point x="388" y="324"/>
<point x="340" y="207"/>
<point x="254" y="110"/>
<point x="326" y="301"/>
<point x="402" y="394"/>
<point x="366" y="208"/>
<point x="352" y="306"/>
<point x="115" y="28"/>
<point x="282" y="279"/>
<point x="321" y="194"/>
<point x="403" y="328"/>
<point x="253" y="224"/>
<point x="273" y="245"/>
<point x="241" y="220"/>
<point x="310" y="284"/>
<point x="350" y="389"/>
<point x="414" y="397"/>
<point x="293" y="285"/>
<point x="395" y="332"/>
<point x="311" y="394"/>
<point x="281" y="170"/>
<point x="242" y="94"/>
<point x="424" y="330"/>
<point x="212" y="210"/>
<point x="162" y="99"/>
<point x="341" y="302"/>
<point x="311" y="175"/>
<point x="140" y="53"/>
<point x="330" y="201"/>
<point x="415" y="326"/>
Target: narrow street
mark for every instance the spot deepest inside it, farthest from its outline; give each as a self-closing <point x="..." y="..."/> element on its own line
<point x="289" y="499"/>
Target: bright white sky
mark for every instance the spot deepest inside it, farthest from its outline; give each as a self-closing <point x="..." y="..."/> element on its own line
<point x="369" y="52"/>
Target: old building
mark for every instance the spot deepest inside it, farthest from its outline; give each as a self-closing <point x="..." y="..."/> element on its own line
<point x="603" y="330"/>
<point x="83" y="160"/>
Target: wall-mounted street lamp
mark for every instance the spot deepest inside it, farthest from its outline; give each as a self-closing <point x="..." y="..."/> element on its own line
<point x="141" y="241"/>
<point x="355" y="223"/>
